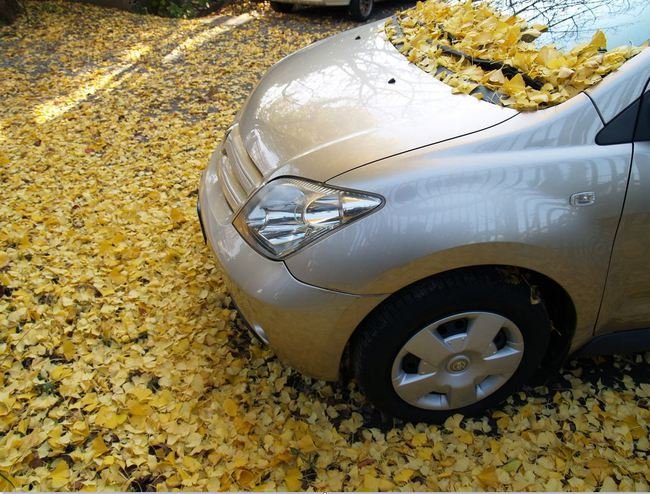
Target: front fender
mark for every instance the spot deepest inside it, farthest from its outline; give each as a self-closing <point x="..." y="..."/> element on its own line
<point x="501" y="196"/>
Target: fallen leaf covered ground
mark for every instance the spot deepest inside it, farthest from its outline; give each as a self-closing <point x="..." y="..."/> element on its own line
<point x="123" y="365"/>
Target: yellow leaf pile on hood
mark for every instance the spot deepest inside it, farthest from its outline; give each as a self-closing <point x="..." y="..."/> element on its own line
<point x="455" y="42"/>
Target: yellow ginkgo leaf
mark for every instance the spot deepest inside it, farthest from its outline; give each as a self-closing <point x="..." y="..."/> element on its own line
<point x="293" y="480"/>
<point x="109" y="418"/>
<point x="98" y="446"/>
<point x="488" y="477"/>
<point x="404" y="475"/>
<point x="60" y="475"/>
<point x="230" y="407"/>
<point x="599" y="41"/>
<point x="515" y="85"/>
<point x="68" y="349"/>
<point x="497" y="77"/>
<point x="370" y="482"/>
<point x="306" y="444"/>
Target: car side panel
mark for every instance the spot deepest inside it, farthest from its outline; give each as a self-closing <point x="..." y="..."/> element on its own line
<point x="626" y="304"/>
<point x="496" y="197"/>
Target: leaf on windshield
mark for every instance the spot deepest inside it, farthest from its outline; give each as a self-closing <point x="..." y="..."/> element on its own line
<point x="470" y="45"/>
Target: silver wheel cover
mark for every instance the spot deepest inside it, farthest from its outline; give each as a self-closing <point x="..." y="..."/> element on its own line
<point x="450" y="371"/>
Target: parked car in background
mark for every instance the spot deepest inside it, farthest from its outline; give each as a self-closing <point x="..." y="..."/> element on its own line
<point x="442" y="248"/>
<point x="360" y="10"/>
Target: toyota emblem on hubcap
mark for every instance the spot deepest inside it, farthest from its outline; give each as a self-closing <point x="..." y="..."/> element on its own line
<point x="458" y="364"/>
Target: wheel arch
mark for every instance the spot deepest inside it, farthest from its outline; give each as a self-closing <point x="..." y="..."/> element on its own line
<point x="558" y="302"/>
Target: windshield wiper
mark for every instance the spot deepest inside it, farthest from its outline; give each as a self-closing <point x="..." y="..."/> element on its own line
<point x="508" y="70"/>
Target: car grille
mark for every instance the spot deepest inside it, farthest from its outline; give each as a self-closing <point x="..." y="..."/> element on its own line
<point x="238" y="175"/>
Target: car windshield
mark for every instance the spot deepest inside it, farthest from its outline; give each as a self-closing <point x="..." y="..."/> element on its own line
<point x="524" y="54"/>
<point x="571" y="22"/>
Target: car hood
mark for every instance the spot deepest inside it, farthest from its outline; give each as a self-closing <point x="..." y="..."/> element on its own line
<point x="349" y="100"/>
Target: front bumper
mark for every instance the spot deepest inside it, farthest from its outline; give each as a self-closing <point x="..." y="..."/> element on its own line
<point x="307" y="327"/>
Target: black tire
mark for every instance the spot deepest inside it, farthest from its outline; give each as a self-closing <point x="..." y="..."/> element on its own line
<point x="384" y="333"/>
<point x="360" y="10"/>
<point x="284" y="8"/>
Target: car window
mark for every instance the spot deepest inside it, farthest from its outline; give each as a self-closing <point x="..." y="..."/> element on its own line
<point x="643" y="126"/>
<point x="573" y="22"/>
<point x="620" y="129"/>
<point x="632" y="124"/>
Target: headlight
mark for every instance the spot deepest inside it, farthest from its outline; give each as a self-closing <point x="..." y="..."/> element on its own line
<point x="288" y="213"/>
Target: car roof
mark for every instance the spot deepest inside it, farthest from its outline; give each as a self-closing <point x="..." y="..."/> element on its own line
<point x="571" y="22"/>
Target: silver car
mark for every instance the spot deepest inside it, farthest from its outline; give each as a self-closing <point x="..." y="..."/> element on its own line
<point x="360" y="10"/>
<point x="441" y="250"/>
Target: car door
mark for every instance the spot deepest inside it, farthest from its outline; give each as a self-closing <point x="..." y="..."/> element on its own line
<point x="626" y="302"/>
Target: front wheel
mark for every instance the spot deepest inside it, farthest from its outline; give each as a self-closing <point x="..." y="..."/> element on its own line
<point x="360" y="10"/>
<point x="458" y="344"/>
<point x="282" y="7"/>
